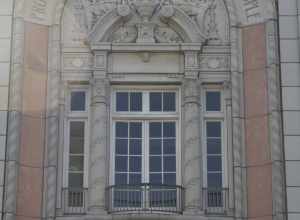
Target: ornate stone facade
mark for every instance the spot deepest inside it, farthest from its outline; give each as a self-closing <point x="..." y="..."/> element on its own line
<point x="191" y="44"/>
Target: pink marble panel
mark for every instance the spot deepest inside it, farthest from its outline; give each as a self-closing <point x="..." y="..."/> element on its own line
<point x="254" y="47"/>
<point x="259" y="171"/>
<point x="30" y="179"/>
<point x="29" y="198"/>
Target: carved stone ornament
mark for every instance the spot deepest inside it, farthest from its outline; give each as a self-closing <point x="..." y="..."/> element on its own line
<point x="148" y="21"/>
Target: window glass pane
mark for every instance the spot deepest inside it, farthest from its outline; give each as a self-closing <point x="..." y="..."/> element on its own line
<point x="121" y="164"/>
<point x="75" y="180"/>
<point x="76" y="145"/>
<point x="121" y="179"/>
<point x="169" y="129"/>
<point x="135" y="129"/>
<point x="156" y="178"/>
<point x="155" y="146"/>
<point x="170" y="164"/>
<point x="213" y="129"/>
<point x="122" y="101"/>
<point x="169" y="146"/>
<point x="135" y="164"/>
<point x="122" y="146"/>
<point x="77" y="129"/>
<point x="136" y="101"/>
<point x="170" y="179"/>
<point x="122" y="129"/>
<point x="76" y="163"/>
<point x="135" y="179"/>
<point x="214" y="146"/>
<point x="156" y="101"/>
<point x="135" y="147"/>
<point x="214" y="180"/>
<point x="214" y="163"/>
<point x="155" y="164"/>
<point x="155" y="129"/>
<point x="169" y="101"/>
<point x="213" y="101"/>
<point x="78" y="101"/>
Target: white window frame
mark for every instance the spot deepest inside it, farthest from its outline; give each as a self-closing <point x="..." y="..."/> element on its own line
<point x="145" y="117"/>
<point x="74" y="116"/>
<point x="215" y="116"/>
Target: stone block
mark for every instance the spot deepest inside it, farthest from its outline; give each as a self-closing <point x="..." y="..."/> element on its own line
<point x="290" y="98"/>
<point x="292" y="173"/>
<point x="291" y="122"/>
<point x="5" y="26"/>
<point x="292" y="148"/>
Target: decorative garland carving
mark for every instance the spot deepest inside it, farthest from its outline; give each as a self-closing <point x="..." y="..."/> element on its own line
<point x="147" y="21"/>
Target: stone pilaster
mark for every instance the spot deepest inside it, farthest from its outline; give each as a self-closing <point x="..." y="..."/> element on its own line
<point x="98" y="170"/>
<point x="192" y="156"/>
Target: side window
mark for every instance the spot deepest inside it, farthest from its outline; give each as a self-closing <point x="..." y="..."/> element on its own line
<point x="76" y="152"/>
<point x="214" y="145"/>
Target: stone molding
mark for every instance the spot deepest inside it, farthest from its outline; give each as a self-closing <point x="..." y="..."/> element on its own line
<point x="238" y="15"/>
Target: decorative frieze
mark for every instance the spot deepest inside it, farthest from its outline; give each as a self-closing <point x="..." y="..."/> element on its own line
<point x="214" y="63"/>
<point x="77" y="62"/>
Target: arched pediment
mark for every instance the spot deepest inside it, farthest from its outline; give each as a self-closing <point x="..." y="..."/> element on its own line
<point x="169" y="25"/>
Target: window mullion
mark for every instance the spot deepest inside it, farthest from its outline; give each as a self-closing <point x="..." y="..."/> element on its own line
<point x="146" y="152"/>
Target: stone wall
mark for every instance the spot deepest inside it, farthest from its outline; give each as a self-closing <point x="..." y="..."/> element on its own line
<point x="290" y="67"/>
<point x="6" y="10"/>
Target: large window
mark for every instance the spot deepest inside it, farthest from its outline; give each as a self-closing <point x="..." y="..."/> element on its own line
<point x="145" y="145"/>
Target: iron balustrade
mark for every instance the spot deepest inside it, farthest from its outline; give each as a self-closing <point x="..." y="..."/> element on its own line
<point x="144" y="198"/>
<point x="74" y="201"/>
<point x="215" y="200"/>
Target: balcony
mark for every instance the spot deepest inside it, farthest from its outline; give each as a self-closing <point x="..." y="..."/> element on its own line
<point x="215" y="200"/>
<point x="74" y="201"/>
<point x="145" y="198"/>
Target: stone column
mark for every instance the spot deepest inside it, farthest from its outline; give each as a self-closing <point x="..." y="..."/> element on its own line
<point x="98" y="172"/>
<point x="192" y="156"/>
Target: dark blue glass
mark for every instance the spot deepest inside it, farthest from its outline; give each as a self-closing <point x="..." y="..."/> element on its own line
<point x="135" y="147"/>
<point x="135" y="179"/>
<point x="213" y="129"/>
<point x="136" y="102"/>
<point x="135" y="164"/>
<point x="155" y="147"/>
<point x="121" y="164"/>
<point x="213" y="101"/>
<point x="169" y="129"/>
<point x="170" y="164"/>
<point x="214" y="180"/>
<point x="121" y="179"/>
<point x="169" y="101"/>
<point x="78" y="101"/>
<point x="214" y="146"/>
<point x="155" y="101"/>
<point x="170" y="146"/>
<point x="155" y="164"/>
<point x="156" y="178"/>
<point x="122" y="101"/>
<point x="214" y="163"/>
<point x="155" y="130"/>
<point x="122" y="146"/>
<point x="122" y="129"/>
<point x="135" y="130"/>
<point x="170" y="179"/>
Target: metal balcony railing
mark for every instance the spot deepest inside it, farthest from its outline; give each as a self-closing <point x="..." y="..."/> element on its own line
<point x="215" y="200"/>
<point x="144" y="198"/>
<point x="74" y="201"/>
